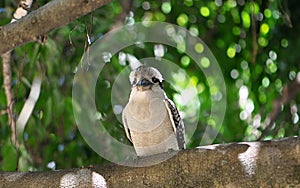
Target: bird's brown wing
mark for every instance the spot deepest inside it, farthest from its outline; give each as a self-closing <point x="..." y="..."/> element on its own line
<point x="125" y="124"/>
<point x="177" y="122"/>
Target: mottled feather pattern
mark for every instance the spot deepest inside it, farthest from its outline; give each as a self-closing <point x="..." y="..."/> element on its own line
<point x="178" y="124"/>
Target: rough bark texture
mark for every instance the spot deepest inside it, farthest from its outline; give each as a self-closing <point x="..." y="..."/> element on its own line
<point x="247" y="164"/>
<point x="48" y="17"/>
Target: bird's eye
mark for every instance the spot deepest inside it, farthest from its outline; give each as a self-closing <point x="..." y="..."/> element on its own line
<point x="155" y="80"/>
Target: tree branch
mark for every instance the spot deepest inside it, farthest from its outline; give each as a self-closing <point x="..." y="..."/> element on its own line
<point x="126" y="8"/>
<point x="21" y="11"/>
<point x="43" y="20"/>
<point x="7" y="84"/>
<point x="246" y="164"/>
<point x="290" y="92"/>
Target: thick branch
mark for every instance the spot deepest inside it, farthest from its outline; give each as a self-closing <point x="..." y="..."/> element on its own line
<point x="41" y="21"/>
<point x="247" y="164"/>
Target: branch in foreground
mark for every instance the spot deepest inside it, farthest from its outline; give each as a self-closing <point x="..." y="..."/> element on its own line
<point x="41" y="21"/>
<point x="247" y="164"/>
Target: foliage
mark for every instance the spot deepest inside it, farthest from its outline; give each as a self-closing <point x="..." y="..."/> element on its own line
<point x="255" y="44"/>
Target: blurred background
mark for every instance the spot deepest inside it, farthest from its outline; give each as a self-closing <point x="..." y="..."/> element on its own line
<point x="256" y="44"/>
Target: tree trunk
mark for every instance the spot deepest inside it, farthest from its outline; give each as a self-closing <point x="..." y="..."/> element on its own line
<point x="273" y="163"/>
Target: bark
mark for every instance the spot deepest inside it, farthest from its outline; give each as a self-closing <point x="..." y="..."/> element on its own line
<point x="246" y="164"/>
<point x="43" y="20"/>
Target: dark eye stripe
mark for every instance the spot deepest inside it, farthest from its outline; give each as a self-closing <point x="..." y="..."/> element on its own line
<point x="154" y="80"/>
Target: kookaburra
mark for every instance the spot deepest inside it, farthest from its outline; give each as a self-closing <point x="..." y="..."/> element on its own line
<point x="151" y="121"/>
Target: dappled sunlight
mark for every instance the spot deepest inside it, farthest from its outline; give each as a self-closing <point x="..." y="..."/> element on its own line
<point x="249" y="157"/>
<point x="245" y="103"/>
<point x="98" y="180"/>
<point x="82" y="177"/>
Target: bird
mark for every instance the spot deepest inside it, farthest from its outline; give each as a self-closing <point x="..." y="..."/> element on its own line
<point x="151" y="120"/>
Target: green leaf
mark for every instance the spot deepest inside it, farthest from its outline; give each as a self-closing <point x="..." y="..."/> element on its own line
<point x="9" y="154"/>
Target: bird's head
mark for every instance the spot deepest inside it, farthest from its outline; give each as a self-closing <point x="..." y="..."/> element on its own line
<point x="146" y="78"/>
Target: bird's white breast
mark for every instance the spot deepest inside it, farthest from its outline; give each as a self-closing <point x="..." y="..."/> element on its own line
<point x="149" y="123"/>
<point x="147" y="111"/>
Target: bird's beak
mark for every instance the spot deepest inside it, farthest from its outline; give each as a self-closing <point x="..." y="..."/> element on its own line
<point x="144" y="82"/>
